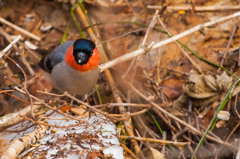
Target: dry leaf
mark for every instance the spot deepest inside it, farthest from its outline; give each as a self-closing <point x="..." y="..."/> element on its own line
<point x="203" y="89"/>
<point x="151" y="153"/>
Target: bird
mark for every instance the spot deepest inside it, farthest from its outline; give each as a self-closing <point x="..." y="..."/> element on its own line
<point x="72" y="67"/>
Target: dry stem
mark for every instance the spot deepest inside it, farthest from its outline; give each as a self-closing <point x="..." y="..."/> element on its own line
<point x="4" y="21"/>
<point x="156" y="140"/>
<point x="129" y="151"/>
<point x="229" y="43"/>
<point x="9" y="46"/>
<point x="197" y="8"/>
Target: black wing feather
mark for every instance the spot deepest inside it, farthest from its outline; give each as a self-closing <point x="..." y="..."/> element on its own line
<point x="56" y="56"/>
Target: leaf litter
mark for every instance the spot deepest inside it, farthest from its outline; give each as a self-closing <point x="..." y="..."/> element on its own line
<point x="165" y="75"/>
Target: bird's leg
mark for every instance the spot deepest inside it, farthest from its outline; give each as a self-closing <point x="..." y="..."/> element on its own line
<point x="89" y="110"/>
<point x="85" y="98"/>
<point x="71" y="102"/>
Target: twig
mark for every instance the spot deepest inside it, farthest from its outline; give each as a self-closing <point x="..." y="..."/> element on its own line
<point x="131" y="114"/>
<point x="6" y="91"/>
<point x="50" y="125"/>
<point x="140" y="51"/>
<point x="233" y="130"/>
<point x="129" y="151"/>
<point x="24" y="153"/>
<point x="183" y="51"/>
<point x="142" y="124"/>
<point x="97" y="110"/>
<point x="228" y="45"/>
<point x="165" y="119"/>
<point x="137" y="105"/>
<point x="28" y="66"/>
<point x="13" y="96"/>
<point x="113" y="104"/>
<point x="235" y="106"/>
<point x="9" y="46"/>
<point x="197" y="8"/>
<point x="155" y="140"/>
<point x="52" y="94"/>
<point x="81" y="102"/>
<point x="164" y="137"/>
<point x="8" y="38"/>
<point x="25" y="81"/>
<point x="19" y="29"/>
<point x="33" y="53"/>
<point x="174" y="70"/>
<point x="123" y="104"/>
<point x="24" y="74"/>
<point x="48" y="106"/>
<point x="150" y="27"/>
<point x="124" y="34"/>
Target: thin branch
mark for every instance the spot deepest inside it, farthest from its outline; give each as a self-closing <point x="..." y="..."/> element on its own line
<point x="50" y="125"/>
<point x="10" y="45"/>
<point x="7" y="37"/>
<point x="129" y="151"/>
<point x="181" y="48"/>
<point x="113" y="104"/>
<point x="19" y="29"/>
<point x="155" y="140"/>
<point x="48" y="106"/>
<point x="130" y="114"/>
<point x="26" y="63"/>
<point x="96" y="110"/>
<point x="197" y="8"/>
<point x="228" y="45"/>
<point x="83" y="103"/>
<point x="140" y="51"/>
<point x="150" y="27"/>
<point x="25" y="81"/>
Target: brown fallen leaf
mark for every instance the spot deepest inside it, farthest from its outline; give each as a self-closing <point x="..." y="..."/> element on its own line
<point x="152" y="153"/>
<point x="203" y="90"/>
<point x="172" y="88"/>
<point x="39" y="84"/>
<point x="81" y="111"/>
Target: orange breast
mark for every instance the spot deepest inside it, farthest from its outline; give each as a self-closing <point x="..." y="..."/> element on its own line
<point x="92" y="63"/>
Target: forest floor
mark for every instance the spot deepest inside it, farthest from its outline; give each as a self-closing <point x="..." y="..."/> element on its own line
<point x="182" y="89"/>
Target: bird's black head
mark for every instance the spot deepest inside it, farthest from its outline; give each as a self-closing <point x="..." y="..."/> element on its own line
<point x="82" y="50"/>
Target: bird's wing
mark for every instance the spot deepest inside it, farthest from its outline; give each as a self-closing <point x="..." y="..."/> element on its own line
<point x="56" y="56"/>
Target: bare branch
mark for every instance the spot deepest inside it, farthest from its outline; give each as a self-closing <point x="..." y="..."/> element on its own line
<point x="20" y="29"/>
<point x="9" y="46"/>
<point x="197" y="8"/>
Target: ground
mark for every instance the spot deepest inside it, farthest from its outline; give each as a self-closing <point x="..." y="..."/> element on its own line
<point x="179" y="89"/>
